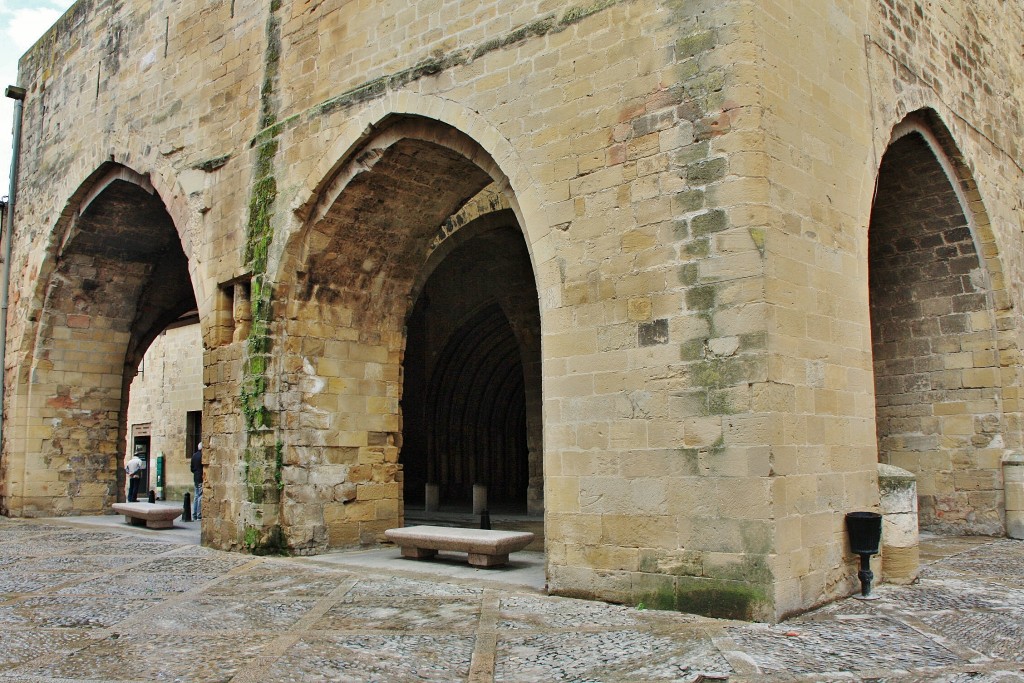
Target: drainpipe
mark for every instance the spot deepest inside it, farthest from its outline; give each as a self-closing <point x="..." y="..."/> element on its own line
<point x="18" y="95"/>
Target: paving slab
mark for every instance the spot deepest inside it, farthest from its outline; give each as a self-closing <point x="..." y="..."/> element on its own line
<point x="100" y="600"/>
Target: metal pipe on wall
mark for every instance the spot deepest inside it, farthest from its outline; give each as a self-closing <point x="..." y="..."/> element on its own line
<point x="18" y="95"/>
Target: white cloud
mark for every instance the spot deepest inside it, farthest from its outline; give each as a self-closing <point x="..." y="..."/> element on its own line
<point x="25" y="26"/>
<point x="22" y="23"/>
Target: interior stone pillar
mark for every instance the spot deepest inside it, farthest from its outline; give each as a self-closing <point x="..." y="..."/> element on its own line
<point x="432" y="498"/>
<point x="479" y="498"/>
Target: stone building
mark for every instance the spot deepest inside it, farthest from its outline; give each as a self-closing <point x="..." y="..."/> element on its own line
<point x="675" y="274"/>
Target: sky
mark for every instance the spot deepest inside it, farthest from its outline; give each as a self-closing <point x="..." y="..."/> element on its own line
<point x="22" y="22"/>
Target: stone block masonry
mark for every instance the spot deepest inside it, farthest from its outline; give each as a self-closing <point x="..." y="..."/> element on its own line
<point x="726" y="256"/>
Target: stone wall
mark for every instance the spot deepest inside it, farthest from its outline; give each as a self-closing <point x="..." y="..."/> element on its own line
<point x="693" y="183"/>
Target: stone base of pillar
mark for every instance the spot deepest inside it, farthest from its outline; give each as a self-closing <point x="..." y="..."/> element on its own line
<point x="900" y="541"/>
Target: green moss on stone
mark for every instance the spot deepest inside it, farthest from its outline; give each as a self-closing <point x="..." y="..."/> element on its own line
<point x="698" y="248"/>
<point x="581" y="12"/>
<point x="535" y="28"/>
<point x="695" y="44"/>
<point x="717" y="372"/>
<point x="270" y="543"/>
<point x="660" y="593"/>
<point x="704" y="86"/>
<point x="680" y="230"/>
<point x="691" y="460"/>
<point x="701" y="298"/>
<point x="751" y="568"/>
<point x="893" y="479"/>
<point x="279" y="465"/>
<point x="692" y="349"/>
<point x="708" y="223"/>
<point x="744" y="599"/>
<point x="720" y="599"/>
<point x="261" y="466"/>
<point x="756" y="537"/>
<point x="688" y="201"/>
<point x="707" y="171"/>
<point x="213" y="164"/>
<point x="692" y="153"/>
<point x="753" y="341"/>
<point x="718" y="403"/>
<point x="689" y="273"/>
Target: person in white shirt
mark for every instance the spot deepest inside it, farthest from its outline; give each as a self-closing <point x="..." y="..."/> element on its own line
<point x="133" y="468"/>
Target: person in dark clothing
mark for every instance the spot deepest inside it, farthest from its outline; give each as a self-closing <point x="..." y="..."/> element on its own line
<point x="197" y="478"/>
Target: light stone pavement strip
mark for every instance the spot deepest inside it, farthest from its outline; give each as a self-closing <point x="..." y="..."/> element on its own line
<point x="81" y="604"/>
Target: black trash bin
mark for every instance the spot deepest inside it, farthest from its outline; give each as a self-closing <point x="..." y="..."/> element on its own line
<point x="865" y="532"/>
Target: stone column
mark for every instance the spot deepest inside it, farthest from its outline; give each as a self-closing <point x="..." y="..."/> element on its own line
<point x="479" y="498"/>
<point x="1013" y="490"/>
<point x="433" y="497"/>
<point x="900" y="549"/>
<point x="241" y="310"/>
<point x="535" y="501"/>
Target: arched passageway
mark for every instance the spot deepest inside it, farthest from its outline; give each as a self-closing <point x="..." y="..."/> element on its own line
<point x="379" y="240"/>
<point x="471" y="360"/>
<point x="934" y="342"/>
<point x="120" y="277"/>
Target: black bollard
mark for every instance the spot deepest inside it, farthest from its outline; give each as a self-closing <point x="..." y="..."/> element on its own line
<point x="186" y="508"/>
<point x="152" y="496"/>
<point x="485" y="520"/>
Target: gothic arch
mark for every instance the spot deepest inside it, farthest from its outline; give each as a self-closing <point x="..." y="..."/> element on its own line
<point x="938" y="310"/>
<point x="161" y="184"/>
<point x="509" y="173"/>
<point x="475" y="289"/>
<point x="349" y="276"/>
<point x="113" y="276"/>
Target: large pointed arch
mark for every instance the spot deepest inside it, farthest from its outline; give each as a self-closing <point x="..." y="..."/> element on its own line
<point x="938" y="309"/>
<point x="115" y="276"/>
<point x="350" y="277"/>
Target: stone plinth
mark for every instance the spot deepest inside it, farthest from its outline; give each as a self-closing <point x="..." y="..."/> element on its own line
<point x="900" y="551"/>
<point x="1013" y="483"/>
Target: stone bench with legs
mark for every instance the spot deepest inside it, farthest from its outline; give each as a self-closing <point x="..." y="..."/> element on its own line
<point x="149" y="515"/>
<point x="485" y="547"/>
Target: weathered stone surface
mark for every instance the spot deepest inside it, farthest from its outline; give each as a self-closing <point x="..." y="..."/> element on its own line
<point x="304" y="619"/>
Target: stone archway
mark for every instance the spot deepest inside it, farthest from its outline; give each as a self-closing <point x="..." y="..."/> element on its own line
<point x="935" y="338"/>
<point x="471" y="400"/>
<point x="358" y="267"/>
<point x="119" y="277"/>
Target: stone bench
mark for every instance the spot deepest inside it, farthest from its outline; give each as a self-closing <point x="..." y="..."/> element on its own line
<point x="486" y="547"/>
<point x="149" y="515"/>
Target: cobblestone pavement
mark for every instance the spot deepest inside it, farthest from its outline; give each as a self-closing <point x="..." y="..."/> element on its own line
<point x="89" y="604"/>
